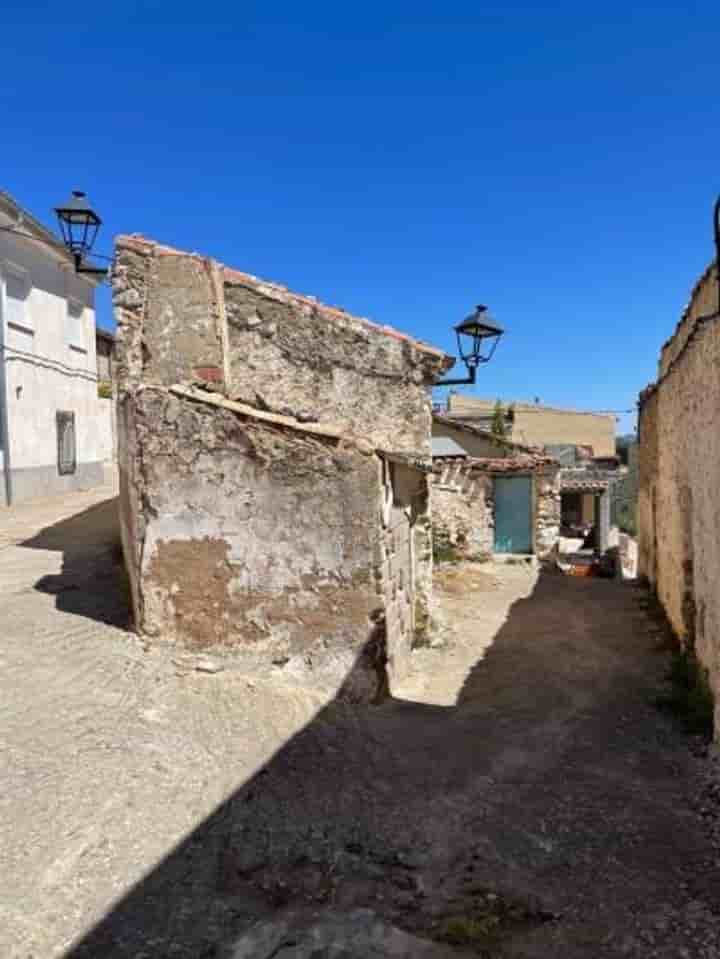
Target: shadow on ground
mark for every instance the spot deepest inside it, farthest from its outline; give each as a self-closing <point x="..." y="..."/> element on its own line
<point x="548" y="804"/>
<point x="92" y="582"/>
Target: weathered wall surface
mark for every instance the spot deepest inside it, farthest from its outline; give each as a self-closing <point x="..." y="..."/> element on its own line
<point x="254" y="537"/>
<point x="294" y="353"/>
<point x="547" y="510"/>
<point x="263" y="345"/>
<point x="272" y="499"/>
<point x="462" y="506"/>
<point x="678" y="497"/>
<point x="462" y="509"/>
<point x="405" y="586"/>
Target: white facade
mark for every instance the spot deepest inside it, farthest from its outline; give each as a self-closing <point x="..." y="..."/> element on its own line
<point x="47" y="366"/>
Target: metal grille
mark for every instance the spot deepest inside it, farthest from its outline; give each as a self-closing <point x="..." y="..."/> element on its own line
<point x="67" y="454"/>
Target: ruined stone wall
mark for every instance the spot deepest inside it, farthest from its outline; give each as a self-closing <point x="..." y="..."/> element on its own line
<point x="294" y="354"/>
<point x="263" y="525"/>
<point x="397" y="565"/>
<point x="261" y="344"/>
<point x="547" y="510"/>
<point x="254" y="538"/>
<point x="679" y="496"/>
<point x="463" y="508"/>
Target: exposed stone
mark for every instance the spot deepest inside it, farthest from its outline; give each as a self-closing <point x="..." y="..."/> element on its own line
<point x="462" y="499"/>
<point x="271" y="526"/>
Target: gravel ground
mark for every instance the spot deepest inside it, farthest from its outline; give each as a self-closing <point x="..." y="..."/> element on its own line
<point x="520" y="795"/>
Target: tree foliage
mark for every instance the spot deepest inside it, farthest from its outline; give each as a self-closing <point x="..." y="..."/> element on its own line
<point x="499" y="427"/>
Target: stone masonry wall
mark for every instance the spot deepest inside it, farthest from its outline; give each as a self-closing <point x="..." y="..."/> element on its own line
<point x="261" y="344"/>
<point x="679" y="496"/>
<point x="463" y="507"/>
<point x="254" y="538"/>
<point x="462" y="510"/>
<point x="261" y="525"/>
<point x="406" y="572"/>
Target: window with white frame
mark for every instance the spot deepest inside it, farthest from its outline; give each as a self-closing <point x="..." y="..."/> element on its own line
<point x="74" y="326"/>
<point x="20" y="327"/>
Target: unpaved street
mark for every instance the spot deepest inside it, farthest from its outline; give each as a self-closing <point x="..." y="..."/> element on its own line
<point x="521" y="788"/>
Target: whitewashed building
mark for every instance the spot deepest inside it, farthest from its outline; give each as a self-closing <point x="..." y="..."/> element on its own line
<point x="55" y="432"/>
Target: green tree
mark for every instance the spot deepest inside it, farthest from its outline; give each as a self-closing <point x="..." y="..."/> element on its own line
<point x="499" y="428"/>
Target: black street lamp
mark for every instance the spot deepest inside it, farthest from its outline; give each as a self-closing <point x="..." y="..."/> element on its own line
<point x="477" y="338"/>
<point x="79" y="225"/>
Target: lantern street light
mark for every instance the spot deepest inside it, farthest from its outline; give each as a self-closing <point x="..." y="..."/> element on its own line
<point x="79" y="225"/>
<point x="477" y="336"/>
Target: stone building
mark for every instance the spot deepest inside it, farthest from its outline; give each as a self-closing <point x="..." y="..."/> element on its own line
<point x="678" y="495"/>
<point x="490" y="496"/>
<point x="274" y="457"/>
<point x="532" y="424"/>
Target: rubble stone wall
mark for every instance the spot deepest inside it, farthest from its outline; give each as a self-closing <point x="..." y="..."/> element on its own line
<point x="462" y="510"/>
<point x="261" y="344"/>
<point x="258" y="512"/>
<point x="254" y="538"/>
<point x="679" y="496"/>
<point x="298" y="356"/>
<point x="462" y="499"/>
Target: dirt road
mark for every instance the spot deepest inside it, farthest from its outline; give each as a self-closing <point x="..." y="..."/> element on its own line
<point x="521" y="793"/>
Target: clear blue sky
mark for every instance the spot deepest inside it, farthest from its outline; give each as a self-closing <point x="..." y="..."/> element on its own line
<point x="404" y="161"/>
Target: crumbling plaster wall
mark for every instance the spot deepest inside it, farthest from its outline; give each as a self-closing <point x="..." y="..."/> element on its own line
<point x="678" y="496"/>
<point x="246" y="533"/>
<point x="256" y="538"/>
<point x="261" y="344"/>
<point x="547" y="505"/>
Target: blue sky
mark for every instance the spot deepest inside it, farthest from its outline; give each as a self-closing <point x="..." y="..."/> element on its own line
<point x="557" y="162"/>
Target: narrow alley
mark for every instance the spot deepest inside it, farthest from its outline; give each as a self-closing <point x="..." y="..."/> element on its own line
<point x="520" y="795"/>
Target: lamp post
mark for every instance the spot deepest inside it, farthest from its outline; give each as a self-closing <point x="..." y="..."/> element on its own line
<point x="79" y="225"/>
<point x="477" y="336"/>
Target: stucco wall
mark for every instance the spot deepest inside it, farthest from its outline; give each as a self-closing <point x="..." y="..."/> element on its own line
<point x="43" y="374"/>
<point x="678" y="496"/>
<point x="462" y="509"/>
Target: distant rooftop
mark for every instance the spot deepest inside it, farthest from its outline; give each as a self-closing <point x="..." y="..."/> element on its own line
<point x="469" y="405"/>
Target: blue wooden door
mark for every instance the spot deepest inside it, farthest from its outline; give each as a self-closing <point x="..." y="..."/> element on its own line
<point x="513" y="514"/>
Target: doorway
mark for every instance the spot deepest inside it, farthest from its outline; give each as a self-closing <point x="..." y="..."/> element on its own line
<point x="513" y="514"/>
